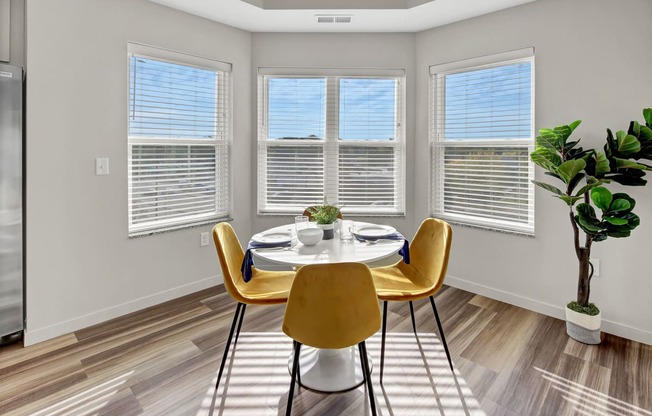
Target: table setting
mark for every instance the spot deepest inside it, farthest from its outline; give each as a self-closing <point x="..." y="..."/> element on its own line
<point x="301" y="243"/>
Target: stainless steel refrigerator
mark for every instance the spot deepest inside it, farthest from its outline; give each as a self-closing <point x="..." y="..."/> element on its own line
<point x="11" y="202"/>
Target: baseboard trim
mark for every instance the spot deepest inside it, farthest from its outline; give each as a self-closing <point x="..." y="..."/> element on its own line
<point x="558" y="312"/>
<point x="43" y="334"/>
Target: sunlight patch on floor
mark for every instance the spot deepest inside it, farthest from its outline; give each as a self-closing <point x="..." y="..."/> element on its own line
<point x="417" y="381"/>
<point x="88" y="401"/>
<point x="587" y="401"/>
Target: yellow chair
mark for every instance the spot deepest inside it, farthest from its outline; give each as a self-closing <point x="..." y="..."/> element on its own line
<point x="422" y="278"/>
<point x="332" y="306"/>
<point x="264" y="288"/>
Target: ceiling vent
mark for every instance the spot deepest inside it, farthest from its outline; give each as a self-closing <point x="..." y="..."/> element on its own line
<point x="321" y="18"/>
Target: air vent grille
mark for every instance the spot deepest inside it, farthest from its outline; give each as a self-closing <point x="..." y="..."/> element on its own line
<point x="333" y="19"/>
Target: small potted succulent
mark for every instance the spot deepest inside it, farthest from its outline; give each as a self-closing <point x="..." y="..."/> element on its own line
<point x="593" y="210"/>
<point x="325" y="217"/>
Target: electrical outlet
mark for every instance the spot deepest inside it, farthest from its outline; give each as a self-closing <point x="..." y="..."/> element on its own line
<point x="203" y="239"/>
<point x="596" y="267"/>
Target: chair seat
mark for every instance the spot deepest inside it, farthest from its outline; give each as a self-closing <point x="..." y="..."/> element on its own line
<point x="392" y="284"/>
<point x="266" y="287"/>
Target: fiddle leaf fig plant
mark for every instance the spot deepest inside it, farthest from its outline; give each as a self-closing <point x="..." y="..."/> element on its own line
<point x="585" y="175"/>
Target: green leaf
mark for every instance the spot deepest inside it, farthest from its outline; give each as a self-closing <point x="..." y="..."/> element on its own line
<point x="647" y="114"/>
<point x="573" y="183"/>
<point x="619" y="205"/>
<point x="570" y="168"/>
<point x="627" y="144"/>
<point x="601" y="164"/>
<point x="586" y="219"/>
<point x="590" y="185"/>
<point x="570" y="200"/>
<point x="629" y="199"/>
<point x="645" y="134"/>
<point x="628" y="164"/>
<point x="548" y="140"/>
<point x="615" y="220"/>
<point x="574" y="125"/>
<point x="634" y="129"/>
<point x="563" y="132"/>
<point x="619" y="233"/>
<point x="548" y="187"/>
<point x="599" y="237"/>
<point x="546" y="158"/>
<point x="601" y="197"/>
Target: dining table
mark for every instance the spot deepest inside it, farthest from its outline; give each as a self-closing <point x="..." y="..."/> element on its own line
<point x="327" y="370"/>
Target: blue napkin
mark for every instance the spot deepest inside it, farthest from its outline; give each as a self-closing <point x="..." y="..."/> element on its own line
<point x="404" y="251"/>
<point x="248" y="261"/>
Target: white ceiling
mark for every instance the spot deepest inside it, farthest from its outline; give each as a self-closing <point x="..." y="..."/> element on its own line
<point x="367" y="15"/>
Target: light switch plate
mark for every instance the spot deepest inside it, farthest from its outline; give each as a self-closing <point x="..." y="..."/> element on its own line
<point x="203" y="239"/>
<point x="102" y="166"/>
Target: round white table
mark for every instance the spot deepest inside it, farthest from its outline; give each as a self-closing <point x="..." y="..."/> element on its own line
<point x="321" y="369"/>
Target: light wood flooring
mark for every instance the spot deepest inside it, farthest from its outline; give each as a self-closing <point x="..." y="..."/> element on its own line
<point x="164" y="361"/>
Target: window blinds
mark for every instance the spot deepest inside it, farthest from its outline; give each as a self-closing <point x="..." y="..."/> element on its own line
<point x="482" y="129"/>
<point x="179" y="139"/>
<point x="330" y="138"/>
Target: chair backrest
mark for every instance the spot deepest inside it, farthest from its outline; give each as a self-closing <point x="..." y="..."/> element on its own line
<point x="307" y="213"/>
<point x="429" y="253"/>
<point x="231" y="255"/>
<point x="332" y="306"/>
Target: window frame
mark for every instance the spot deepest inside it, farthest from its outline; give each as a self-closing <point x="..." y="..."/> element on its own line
<point x="438" y="141"/>
<point x="222" y="142"/>
<point x="330" y="143"/>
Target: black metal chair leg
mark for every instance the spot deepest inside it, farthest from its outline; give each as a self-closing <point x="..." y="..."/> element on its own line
<point x="228" y="343"/>
<point x="414" y="323"/>
<point x="365" y="369"/>
<point x="295" y="368"/>
<point x="441" y="333"/>
<point x="382" y="346"/>
<point x="237" y="333"/>
<point x="294" y="345"/>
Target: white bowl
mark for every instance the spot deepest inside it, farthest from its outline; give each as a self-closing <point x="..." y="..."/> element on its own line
<point x="310" y="236"/>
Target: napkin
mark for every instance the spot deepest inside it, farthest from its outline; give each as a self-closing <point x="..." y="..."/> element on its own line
<point x="248" y="261"/>
<point x="404" y="251"/>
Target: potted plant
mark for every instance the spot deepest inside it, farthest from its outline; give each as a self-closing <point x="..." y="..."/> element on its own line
<point x="586" y="175"/>
<point x="325" y="215"/>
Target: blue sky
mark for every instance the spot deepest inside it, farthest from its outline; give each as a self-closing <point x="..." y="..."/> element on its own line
<point x="297" y="108"/>
<point x="171" y="100"/>
<point x="491" y="103"/>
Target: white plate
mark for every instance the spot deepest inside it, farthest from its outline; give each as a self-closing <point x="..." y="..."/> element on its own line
<point x="273" y="237"/>
<point x="374" y="231"/>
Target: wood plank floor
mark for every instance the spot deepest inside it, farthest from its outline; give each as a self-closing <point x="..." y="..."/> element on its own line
<point x="164" y="361"/>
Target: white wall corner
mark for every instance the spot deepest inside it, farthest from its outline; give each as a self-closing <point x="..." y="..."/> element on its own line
<point x="33" y="336"/>
<point x="554" y="311"/>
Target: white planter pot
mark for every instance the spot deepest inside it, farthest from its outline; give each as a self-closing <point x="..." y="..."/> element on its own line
<point x="583" y="328"/>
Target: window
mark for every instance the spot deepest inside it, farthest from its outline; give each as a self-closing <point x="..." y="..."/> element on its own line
<point x="179" y="138"/>
<point x="336" y="137"/>
<point x="482" y="131"/>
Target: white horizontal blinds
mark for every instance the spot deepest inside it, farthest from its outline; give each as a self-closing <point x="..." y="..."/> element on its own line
<point x="291" y="150"/>
<point x="483" y="133"/>
<point x="179" y="137"/>
<point x="370" y="165"/>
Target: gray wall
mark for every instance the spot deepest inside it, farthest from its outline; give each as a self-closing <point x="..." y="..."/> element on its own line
<point x="350" y="50"/>
<point x="14" y="43"/>
<point x="81" y="267"/>
<point x="593" y="63"/>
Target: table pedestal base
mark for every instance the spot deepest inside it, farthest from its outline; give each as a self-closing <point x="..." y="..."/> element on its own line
<point x="330" y="371"/>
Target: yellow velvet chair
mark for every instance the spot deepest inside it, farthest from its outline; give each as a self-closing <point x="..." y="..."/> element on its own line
<point x="422" y="278"/>
<point x="332" y="306"/>
<point x="264" y="288"/>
